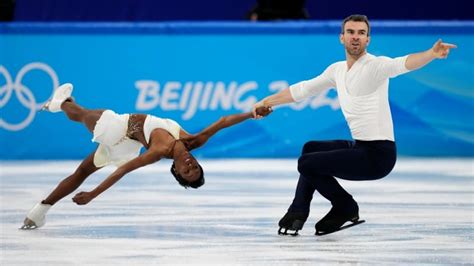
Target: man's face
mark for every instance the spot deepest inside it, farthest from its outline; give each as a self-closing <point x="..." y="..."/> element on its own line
<point x="355" y="38"/>
<point x="187" y="167"/>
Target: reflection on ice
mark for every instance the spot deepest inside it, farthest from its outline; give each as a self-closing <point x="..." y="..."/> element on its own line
<point x="422" y="213"/>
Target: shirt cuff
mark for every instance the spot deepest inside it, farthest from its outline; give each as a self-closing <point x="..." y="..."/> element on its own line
<point x="296" y="91"/>
<point x="402" y="64"/>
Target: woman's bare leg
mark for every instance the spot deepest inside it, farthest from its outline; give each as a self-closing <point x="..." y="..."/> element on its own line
<point x="72" y="182"/>
<point x="36" y="217"/>
<point x="77" y="113"/>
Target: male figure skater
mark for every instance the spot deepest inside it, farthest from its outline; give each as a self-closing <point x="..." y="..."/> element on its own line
<point x="362" y="87"/>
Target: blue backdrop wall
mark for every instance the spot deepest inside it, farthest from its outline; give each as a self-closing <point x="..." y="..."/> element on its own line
<point x="195" y="73"/>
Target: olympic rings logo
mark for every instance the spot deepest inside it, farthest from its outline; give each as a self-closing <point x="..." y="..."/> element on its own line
<point x="24" y="94"/>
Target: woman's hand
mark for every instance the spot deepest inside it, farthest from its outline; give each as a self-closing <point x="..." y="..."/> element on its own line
<point x="194" y="141"/>
<point x="263" y="111"/>
<point x="83" y="198"/>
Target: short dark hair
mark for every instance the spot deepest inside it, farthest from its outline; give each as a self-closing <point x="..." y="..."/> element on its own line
<point x="357" y="18"/>
<point x="185" y="183"/>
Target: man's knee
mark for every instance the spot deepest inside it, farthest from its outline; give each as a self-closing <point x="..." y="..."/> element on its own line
<point x="309" y="146"/>
<point x="380" y="174"/>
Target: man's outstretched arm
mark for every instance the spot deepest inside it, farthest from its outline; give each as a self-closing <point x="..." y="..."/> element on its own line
<point x="439" y="50"/>
<point x="281" y="97"/>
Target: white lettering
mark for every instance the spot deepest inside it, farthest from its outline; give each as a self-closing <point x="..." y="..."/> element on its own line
<point x="148" y="95"/>
<point x="222" y="96"/>
<point x="206" y="95"/>
<point x="246" y="104"/>
<point x="278" y="85"/>
<point x="184" y="98"/>
<point x="170" y="96"/>
<point x="188" y="97"/>
<point x="194" y="101"/>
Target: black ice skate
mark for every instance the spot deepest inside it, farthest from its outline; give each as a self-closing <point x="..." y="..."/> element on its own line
<point x="336" y="218"/>
<point x="292" y="221"/>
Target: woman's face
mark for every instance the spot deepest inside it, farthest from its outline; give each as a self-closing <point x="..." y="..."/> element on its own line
<point x="187" y="166"/>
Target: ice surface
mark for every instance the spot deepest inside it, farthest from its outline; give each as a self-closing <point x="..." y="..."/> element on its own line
<point x="422" y="213"/>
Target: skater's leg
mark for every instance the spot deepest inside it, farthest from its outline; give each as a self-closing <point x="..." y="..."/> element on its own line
<point x="326" y="164"/>
<point x="298" y="212"/>
<point x="37" y="215"/>
<point x="303" y="195"/>
<point x="306" y="187"/>
<point x="77" y="113"/>
<point x="72" y="182"/>
<point x="354" y="163"/>
<point x="360" y="162"/>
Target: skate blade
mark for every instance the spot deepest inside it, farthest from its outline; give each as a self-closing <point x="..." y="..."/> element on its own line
<point x="45" y="107"/>
<point x="28" y="225"/>
<point x="285" y="233"/>
<point x="322" y="233"/>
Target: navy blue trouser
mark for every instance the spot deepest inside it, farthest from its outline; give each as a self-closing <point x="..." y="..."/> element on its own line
<point x="321" y="161"/>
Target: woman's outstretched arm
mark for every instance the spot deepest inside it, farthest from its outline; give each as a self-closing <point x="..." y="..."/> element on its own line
<point x="197" y="140"/>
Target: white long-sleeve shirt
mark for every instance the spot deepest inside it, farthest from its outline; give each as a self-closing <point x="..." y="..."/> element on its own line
<point x="362" y="91"/>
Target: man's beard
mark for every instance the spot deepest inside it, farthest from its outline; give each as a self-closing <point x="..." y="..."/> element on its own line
<point x="355" y="51"/>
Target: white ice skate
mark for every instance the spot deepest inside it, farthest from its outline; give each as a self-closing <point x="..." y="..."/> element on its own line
<point x="60" y="95"/>
<point x="36" y="217"/>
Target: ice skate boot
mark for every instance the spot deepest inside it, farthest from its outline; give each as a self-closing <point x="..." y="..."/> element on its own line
<point x="61" y="94"/>
<point x="337" y="217"/>
<point x="292" y="221"/>
<point x="36" y="217"/>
